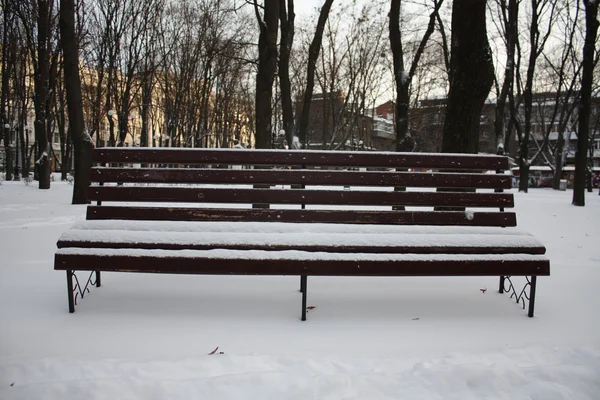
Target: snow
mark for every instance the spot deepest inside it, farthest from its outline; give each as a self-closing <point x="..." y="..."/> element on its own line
<point x="291" y="235"/>
<point x="284" y="228"/>
<point x="403" y="77"/>
<point x="148" y="336"/>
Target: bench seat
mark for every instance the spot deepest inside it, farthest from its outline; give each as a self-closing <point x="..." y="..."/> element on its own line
<point x="311" y="249"/>
<point x="331" y="238"/>
<point x="294" y="262"/>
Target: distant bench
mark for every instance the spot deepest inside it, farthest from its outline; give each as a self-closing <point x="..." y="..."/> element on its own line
<point x="304" y="213"/>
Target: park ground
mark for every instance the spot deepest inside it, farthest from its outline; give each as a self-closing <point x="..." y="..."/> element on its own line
<point x="148" y="336"/>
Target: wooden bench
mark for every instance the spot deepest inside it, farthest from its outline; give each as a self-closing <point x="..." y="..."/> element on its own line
<point x="304" y="213"/>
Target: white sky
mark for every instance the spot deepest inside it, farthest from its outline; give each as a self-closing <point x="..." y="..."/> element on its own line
<point x="305" y="7"/>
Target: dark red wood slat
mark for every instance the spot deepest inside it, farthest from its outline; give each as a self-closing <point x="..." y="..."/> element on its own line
<point x="202" y="265"/>
<point x="305" y="216"/>
<point x="281" y="196"/>
<point x="309" y="158"/>
<point x="285" y="176"/>
<point x="467" y="249"/>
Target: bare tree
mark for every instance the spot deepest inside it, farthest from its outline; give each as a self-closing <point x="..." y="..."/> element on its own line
<point x="22" y="94"/>
<point x="268" y="24"/>
<point x="472" y="76"/>
<point x="508" y="12"/>
<point x="203" y="61"/>
<point x="141" y="17"/>
<point x="286" y="18"/>
<point x="543" y="14"/>
<point x="555" y="114"/>
<point x="313" y="54"/>
<point x="147" y="74"/>
<point x="7" y="41"/>
<point x="81" y="140"/>
<point x="403" y="76"/>
<point x="39" y="20"/>
<point x="589" y="50"/>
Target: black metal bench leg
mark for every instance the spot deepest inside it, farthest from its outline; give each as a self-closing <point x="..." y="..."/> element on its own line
<point x="501" y="285"/>
<point x="98" y="281"/>
<point x="303" y="279"/>
<point x="70" y="291"/>
<point x="532" y="295"/>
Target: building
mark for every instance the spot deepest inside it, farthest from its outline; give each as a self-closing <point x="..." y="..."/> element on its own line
<point x="337" y="124"/>
<point x="325" y="120"/>
<point x="426" y="123"/>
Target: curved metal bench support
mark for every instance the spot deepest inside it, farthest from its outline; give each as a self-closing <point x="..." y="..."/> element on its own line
<point x="75" y="289"/>
<point x="524" y="296"/>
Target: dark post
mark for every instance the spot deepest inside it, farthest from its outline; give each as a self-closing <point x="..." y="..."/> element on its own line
<point x="532" y="296"/>
<point x="303" y="281"/>
<point x="70" y="291"/>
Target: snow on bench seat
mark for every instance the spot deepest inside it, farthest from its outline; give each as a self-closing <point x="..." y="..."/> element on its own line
<point x="429" y="241"/>
<point x="282" y="227"/>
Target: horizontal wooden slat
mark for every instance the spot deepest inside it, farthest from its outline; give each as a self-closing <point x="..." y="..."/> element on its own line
<point x="285" y="176"/>
<point x="307" y="216"/>
<point x="200" y="265"/>
<point x="281" y="196"/>
<point x="400" y="249"/>
<point x="307" y="158"/>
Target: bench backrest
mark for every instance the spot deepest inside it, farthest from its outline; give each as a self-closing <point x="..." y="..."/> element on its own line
<point x="300" y="186"/>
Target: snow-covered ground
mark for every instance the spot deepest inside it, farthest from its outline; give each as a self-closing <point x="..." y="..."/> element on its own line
<point x="148" y="337"/>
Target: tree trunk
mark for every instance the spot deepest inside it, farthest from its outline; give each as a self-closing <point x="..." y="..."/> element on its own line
<point x="4" y="117"/>
<point x="510" y="23"/>
<point x="472" y="77"/>
<point x="524" y="164"/>
<point x="61" y="121"/>
<point x="287" y="39"/>
<point x="403" y="77"/>
<point x="146" y="101"/>
<point x="8" y="154"/>
<point x="42" y="79"/>
<point x="123" y="118"/>
<point x="267" y="63"/>
<point x="81" y="140"/>
<point x="558" y="161"/>
<point x="587" y="76"/>
<point x="313" y="55"/>
<point x="25" y="162"/>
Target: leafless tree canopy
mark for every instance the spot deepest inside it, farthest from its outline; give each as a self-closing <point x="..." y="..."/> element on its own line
<point x="213" y="73"/>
